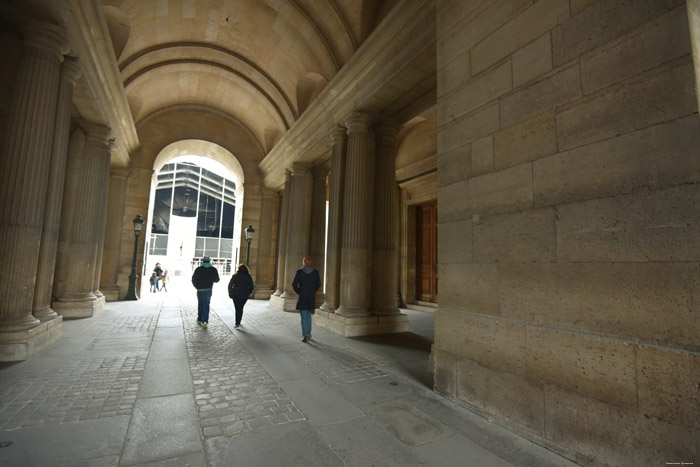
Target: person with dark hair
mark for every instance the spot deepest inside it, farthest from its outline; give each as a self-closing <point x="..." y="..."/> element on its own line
<point x="306" y="282"/>
<point x="239" y="289"/>
<point x="159" y="275"/>
<point x="203" y="280"/>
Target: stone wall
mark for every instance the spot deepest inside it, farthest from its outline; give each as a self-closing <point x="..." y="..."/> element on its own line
<point x="568" y="142"/>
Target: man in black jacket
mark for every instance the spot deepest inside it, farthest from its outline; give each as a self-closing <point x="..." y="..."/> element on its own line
<point x="203" y="280"/>
<point x="306" y="282"/>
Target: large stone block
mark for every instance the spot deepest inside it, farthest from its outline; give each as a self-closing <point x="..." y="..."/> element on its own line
<point x="668" y="385"/>
<point x="480" y="123"/>
<point x="646" y="100"/>
<point x="521" y="30"/>
<point x="455" y="242"/>
<point x="445" y="371"/>
<point x="656" y="157"/>
<point x="453" y="75"/>
<point x="647" y="302"/>
<point x="495" y="343"/>
<point x="508" y="396"/>
<point x="453" y="202"/>
<point x="602" y="22"/>
<point x="603" y="434"/>
<point x="595" y="367"/>
<point x="482" y="156"/>
<point x="454" y="166"/>
<point x="469" y="287"/>
<point x="526" y="141"/>
<point x="470" y="22"/>
<point x="533" y="60"/>
<point x="475" y="93"/>
<point x="522" y="237"/>
<point x="661" y="225"/>
<point x="557" y="88"/>
<point x="645" y="48"/>
<point x="509" y="190"/>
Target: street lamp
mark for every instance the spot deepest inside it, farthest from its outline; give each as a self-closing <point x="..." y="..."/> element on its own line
<point x="131" y="293"/>
<point x="249" y="232"/>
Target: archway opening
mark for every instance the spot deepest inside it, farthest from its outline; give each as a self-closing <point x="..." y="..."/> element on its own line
<point x="195" y="206"/>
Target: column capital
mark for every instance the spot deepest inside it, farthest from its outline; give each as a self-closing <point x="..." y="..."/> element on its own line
<point x="338" y="134"/>
<point x="268" y="192"/>
<point x="45" y="36"/>
<point x="96" y="134"/>
<point x="320" y="171"/>
<point x="387" y="130"/>
<point x="358" y="121"/>
<point x="287" y="174"/>
<point x="70" y="70"/>
<point x="120" y="172"/>
<point x="300" y="168"/>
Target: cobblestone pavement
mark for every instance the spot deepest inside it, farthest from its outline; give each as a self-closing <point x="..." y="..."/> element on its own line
<point x="89" y="389"/>
<point x="233" y="392"/>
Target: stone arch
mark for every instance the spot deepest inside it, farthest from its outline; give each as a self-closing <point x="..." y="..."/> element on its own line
<point x="119" y="28"/>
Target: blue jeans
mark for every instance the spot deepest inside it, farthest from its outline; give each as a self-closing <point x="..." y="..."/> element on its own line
<point x="203" y="297"/>
<point x="305" y="322"/>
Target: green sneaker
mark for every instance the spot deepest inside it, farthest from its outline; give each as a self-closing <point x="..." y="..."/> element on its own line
<point x="204" y="325"/>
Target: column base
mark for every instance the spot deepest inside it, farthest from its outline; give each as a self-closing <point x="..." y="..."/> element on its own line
<point x="85" y="308"/>
<point x="111" y="293"/>
<point x="262" y="294"/>
<point x="284" y="304"/>
<point x="361" y="325"/>
<point x="21" y="345"/>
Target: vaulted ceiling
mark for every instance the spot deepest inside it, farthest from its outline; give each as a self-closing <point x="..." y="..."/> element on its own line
<point x="259" y="61"/>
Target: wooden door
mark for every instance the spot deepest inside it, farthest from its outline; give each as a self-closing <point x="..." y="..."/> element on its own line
<point x="426" y="253"/>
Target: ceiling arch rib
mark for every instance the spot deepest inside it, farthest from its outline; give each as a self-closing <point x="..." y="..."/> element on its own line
<point x="320" y="35"/>
<point x="201" y="84"/>
<point x="214" y="54"/>
<point x="215" y="65"/>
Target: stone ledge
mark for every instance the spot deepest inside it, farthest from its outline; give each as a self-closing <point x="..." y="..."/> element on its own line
<point x="21" y="345"/>
<point x="78" y="309"/>
<point x="284" y="304"/>
<point x="361" y="325"/>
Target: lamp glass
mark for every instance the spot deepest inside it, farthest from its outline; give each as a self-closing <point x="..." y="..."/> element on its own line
<point x="138" y="223"/>
<point x="249" y="232"/>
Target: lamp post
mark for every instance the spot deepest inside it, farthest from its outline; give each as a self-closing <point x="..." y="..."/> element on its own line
<point x="131" y="293"/>
<point x="249" y="232"/>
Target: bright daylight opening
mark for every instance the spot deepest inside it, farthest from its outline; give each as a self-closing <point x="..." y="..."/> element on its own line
<point x="194" y="211"/>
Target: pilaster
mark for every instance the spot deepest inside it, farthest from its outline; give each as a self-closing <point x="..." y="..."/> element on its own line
<point x="265" y="271"/>
<point x="282" y="232"/>
<point x="101" y="219"/>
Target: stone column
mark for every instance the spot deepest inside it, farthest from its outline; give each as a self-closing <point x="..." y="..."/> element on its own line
<point x="335" y="219"/>
<point x="384" y="275"/>
<point x="282" y="233"/>
<point x="25" y="162"/>
<point x="317" y="240"/>
<point x="358" y="215"/>
<point x="101" y="219"/>
<point x="265" y="270"/>
<point x="298" y="227"/>
<point x="109" y="278"/>
<point x="70" y="71"/>
<point x="77" y="252"/>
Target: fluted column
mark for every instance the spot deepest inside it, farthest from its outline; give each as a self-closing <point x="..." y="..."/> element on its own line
<point x="80" y="222"/>
<point x="298" y="224"/>
<point x="265" y="270"/>
<point x="358" y="215"/>
<point x="109" y="279"/>
<point x="101" y="219"/>
<point x="317" y="240"/>
<point x="335" y="219"/>
<point x="385" y="279"/>
<point x="25" y="163"/>
<point x="282" y="233"/>
<point x="70" y="72"/>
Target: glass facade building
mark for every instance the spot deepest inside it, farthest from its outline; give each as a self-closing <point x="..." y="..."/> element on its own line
<point x="207" y="200"/>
